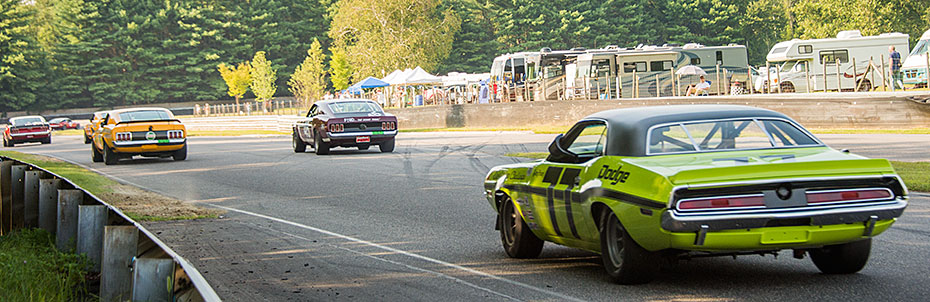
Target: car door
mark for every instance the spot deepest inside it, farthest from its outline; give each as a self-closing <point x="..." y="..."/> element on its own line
<point x="103" y="129"/>
<point x="303" y="125"/>
<point x="559" y="209"/>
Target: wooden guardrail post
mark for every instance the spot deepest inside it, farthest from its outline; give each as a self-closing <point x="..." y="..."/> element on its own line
<point x="119" y="249"/>
<point x="91" y="220"/>
<point x="48" y="204"/>
<point x="153" y="279"/>
<point x="17" y="174"/>
<point x="6" y="197"/>
<point x="31" y="198"/>
<point x="68" y="202"/>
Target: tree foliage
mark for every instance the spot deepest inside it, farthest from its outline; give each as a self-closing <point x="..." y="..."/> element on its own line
<point x="383" y="35"/>
<point x="308" y="81"/>
<point x="237" y="79"/>
<point x="20" y="58"/>
<point x="263" y="77"/>
<point x="340" y="69"/>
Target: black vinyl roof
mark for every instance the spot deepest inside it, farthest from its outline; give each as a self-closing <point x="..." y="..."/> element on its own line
<point x="628" y="127"/>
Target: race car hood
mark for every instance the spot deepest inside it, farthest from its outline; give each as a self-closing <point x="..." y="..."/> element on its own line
<point x="734" y="166"/>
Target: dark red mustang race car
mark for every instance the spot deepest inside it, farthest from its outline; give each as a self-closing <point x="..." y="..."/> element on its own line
<point x="345" y="123"/>
<point x="27" y="129"/>
<point x="63" y="123"/>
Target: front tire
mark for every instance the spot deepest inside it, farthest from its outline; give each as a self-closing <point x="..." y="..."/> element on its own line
<point x="47" y="141"/>
<point x="517" y="238"/>
<point x="96" y="155"/>
<point x="109" y="157"/>
<point x="625" y="261"/>
<point x="845" y="258"/>
<point x="388" y="146"/>
<point x="787" y="87"/>
<point x="299" y="145"/>
<point x="87" y="140"/>
<point x="181" y="154"/>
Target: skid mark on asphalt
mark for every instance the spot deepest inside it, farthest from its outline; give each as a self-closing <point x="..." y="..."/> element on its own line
<point x="411" y="255"/>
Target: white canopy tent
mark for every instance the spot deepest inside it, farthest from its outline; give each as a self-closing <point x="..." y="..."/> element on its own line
<point x="420" y="77"/>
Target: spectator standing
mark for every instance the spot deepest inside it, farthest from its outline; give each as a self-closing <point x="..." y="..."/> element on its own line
<point x="896" y="76"/>
<point x="483" y="95"/>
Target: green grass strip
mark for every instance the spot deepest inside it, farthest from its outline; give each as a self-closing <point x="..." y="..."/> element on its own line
<point x="32" y="269"/>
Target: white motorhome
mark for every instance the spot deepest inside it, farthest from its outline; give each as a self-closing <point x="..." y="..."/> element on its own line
<point x="654" y="66"/>
<point x="916" y="65"/>
<point x="799" y="62"/>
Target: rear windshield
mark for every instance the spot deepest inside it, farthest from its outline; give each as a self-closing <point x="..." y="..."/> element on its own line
<point x="354" y="107"/>
<point x="739" y="134"/>
<point x="23" y="121"/>
<point x="144" y="115"/>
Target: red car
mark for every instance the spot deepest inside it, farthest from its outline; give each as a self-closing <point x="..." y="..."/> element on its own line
<point x="27" y="129"/>
<point x="347" y="123"/>
<point x="63" y="123"/>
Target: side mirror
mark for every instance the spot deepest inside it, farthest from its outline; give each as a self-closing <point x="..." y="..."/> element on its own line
<point x="557" y="153"/>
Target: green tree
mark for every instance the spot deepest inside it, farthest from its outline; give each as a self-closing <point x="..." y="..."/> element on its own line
<point x="237" y="79"/>
<point x="339" y="69"/>
<point x="309" y="79"/>
<point x="380" y="36"/>
<point x="19" y="58"/>
<point x="475" y="45"/>
<point x="825" y="18"/>
<point x="263" y="77"/>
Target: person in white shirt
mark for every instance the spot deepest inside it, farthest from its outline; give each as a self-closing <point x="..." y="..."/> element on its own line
<point x="700" y="88"/>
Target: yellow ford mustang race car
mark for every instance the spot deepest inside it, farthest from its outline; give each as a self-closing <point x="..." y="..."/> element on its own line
<point x="149" y="132"/>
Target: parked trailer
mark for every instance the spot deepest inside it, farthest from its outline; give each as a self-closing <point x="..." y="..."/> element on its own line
<point x="797" y="59"/>
<point x="915" y="67"/>
<point x="729" y="62"/>
<point x="544" y="70"/>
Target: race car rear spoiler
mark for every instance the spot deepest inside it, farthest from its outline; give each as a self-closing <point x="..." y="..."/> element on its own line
<point x="149" y="121"/>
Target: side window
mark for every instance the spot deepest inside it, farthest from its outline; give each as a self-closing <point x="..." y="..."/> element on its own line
<point x="660" y="65"/>
<point x="695" y="61"/>
<point x="719" y="57"/>
<point x="669" y="139"/>
<point x="830" y="56"/>
<point x="805" y="49"/>
<point x="590" y="141"/>
<point x="629" y="67"/>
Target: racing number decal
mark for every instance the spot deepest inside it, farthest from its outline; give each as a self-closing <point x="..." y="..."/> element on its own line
<point x="555" y="176"/>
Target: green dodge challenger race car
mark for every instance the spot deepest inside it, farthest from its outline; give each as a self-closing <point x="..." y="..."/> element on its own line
<point x="648" y="186"/>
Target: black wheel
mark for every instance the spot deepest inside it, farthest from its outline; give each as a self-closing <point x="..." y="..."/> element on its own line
<point x="516" y="236"/>
<point x="321" y="147"/>
<point x="787" y="87"/>
<point x="865" y="86"/>
<point x="387" y="146"/>
<point x="96" y="155"/>
<point x="109" y="157"/>
<point x="87" y="139"/>
<point x="363" y="147"/>
<point x="625" y="261"/>
<point x="845" y="258"/>
<point x="299" y="145"/>
<point x="180" y="154"/>
<point x="10" y="144"/>
<point x="47" y="140"/>
<point x="5" y="142"/>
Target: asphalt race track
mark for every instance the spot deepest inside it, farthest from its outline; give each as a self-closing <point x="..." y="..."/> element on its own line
<point x="413" y="225"/>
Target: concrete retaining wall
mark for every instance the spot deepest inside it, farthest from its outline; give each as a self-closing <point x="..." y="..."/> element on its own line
<point x="827" y="110"/>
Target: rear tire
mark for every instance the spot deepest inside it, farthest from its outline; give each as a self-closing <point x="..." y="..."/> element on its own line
<point x="180" y="154"/>
<point x="787" y="87"/>
<point x="109" y="157"/>
<point x="299" y="145"/>
<point x="847" y="258"/>
<point x="865" y="86"/>
<point x="87" y="140"/>
<point x="363" y="147"/>
<point x="517" y="238"/>
<point x="96" y="155"/>
<point x="387" y="147"/>
<point x="321" y="147"/>
<point x="47" y="141"/>
<point x="625" y="261"/>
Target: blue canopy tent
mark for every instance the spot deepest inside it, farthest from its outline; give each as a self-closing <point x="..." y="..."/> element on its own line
<point x="369" y="82"/>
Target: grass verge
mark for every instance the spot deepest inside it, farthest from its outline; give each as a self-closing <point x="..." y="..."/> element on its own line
<point x="914" y="173"/>
<point x="32" y="269"/>
<point x="138" y="204"/>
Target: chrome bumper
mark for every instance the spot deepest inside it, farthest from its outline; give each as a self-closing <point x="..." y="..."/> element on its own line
<point x="148" y="142"/>
<point x="30" y="133"/>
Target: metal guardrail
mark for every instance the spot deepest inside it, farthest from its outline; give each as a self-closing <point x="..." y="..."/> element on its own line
<point x="133" y="264"/>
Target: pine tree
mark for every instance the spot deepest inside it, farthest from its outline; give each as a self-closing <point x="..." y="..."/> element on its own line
<point x="309" y="79"/>
<point x="475" y="45"/>
<point x="20" y="73"/>
<point x="263" y="77"/>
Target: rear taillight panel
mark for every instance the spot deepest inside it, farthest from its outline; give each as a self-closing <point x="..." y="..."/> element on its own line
<point x="123" y="137"/>
<point x="388" y="125"/>
<point x="722" y="202"/>
<point x="848" y="195"/>
<point x="175" y="134"/>
<point x="336" y="128"/>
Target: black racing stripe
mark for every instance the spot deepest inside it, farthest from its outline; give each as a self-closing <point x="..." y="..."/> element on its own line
<point x="568" y="212"/>
<point x="599" y="192"/>
<point x="550" y="197"/>
<point x="622" y="197"/>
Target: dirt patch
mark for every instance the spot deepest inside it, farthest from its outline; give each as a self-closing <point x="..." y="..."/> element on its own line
<point x="152" y="206"/>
